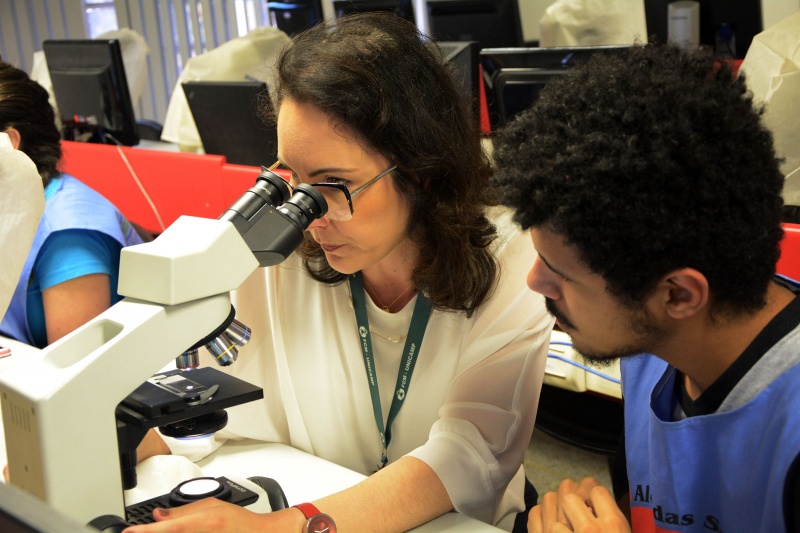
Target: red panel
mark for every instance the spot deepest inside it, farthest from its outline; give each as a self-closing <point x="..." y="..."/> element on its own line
<point x="236" y="179"/>
<point x="486" y="127"/>
<point x="177" y="183"/>
<point x="789" y="263"/>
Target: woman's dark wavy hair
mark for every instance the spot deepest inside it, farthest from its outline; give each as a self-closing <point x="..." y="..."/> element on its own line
<point x="24" y="105"/>
<point x="376" y="76"/>
<point x="647" y="164"/>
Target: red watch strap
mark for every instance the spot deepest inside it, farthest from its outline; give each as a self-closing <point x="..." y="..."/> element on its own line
<point x="308" y="509"/>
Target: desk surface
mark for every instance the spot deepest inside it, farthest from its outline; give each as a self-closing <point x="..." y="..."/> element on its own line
<point x="286" y="465"/>
<point x="290" y="468"/>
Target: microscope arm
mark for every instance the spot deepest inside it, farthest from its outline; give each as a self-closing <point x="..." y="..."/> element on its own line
<point x="59" y="404"/>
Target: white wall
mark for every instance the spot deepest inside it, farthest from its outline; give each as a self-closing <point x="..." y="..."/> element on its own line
<point x="773" y="11"/>
<point x="530" y="12"/>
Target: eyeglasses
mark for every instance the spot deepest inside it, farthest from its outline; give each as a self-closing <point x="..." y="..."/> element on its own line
<point x="339" y="198"/>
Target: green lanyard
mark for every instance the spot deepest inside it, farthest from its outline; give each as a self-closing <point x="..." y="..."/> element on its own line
<point x="419" y="321"/>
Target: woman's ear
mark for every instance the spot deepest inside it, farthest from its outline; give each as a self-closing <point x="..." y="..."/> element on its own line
<point x="13" y="134"/>
<point x="686" y="293"/>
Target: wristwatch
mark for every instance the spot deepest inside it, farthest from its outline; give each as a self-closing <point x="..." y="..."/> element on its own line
<point x="317" y="522"/>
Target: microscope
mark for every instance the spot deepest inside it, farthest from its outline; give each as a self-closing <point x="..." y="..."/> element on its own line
<point x="74" y="413"/>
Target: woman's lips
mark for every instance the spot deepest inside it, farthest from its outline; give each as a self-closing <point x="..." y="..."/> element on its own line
<point x="330" y="247"/>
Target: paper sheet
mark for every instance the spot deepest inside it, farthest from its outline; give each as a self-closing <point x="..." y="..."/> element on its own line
<point x="772" y="71"/>
<point x="593" y="23"/>
<point x="248" y="57"/>
<point x="21" y="207"/>
<point x="160" y="474"/>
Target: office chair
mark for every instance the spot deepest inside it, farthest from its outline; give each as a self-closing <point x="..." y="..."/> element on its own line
<point x="149" y="130"/>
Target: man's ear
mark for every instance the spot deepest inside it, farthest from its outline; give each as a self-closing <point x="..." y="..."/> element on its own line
<point x="13" y="134"/>
<point x="683" y="293"/>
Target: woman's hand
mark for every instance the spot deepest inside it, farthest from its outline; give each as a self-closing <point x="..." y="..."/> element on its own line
<point x="585" y="507"/>
<point x="215" y="516"/>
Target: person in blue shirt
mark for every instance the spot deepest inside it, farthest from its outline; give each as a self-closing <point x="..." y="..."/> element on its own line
<point x="71" y="272"/>
<point x="652" y="193"/>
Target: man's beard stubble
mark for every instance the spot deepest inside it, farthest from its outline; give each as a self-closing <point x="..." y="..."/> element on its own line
<point x="644" y="334"/>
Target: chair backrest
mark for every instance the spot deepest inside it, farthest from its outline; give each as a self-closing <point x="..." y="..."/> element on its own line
<point x="149" y="130"/>
<point x="789" y="263"/>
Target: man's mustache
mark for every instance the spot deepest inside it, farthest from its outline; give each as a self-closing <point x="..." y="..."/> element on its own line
<point x="550" y="304"/>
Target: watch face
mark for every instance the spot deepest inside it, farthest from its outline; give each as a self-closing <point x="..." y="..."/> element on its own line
<point x="320" y="523"/>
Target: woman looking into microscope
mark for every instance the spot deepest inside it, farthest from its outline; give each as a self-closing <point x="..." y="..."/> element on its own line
<point x="413" y="261"/>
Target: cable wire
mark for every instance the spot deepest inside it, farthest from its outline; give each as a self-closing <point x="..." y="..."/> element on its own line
<point x="138" y="182"/>
<point x="579" y="365"/>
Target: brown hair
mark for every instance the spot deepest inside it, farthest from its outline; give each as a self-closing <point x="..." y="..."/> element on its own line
<point x="24" y="106"/>
<point x="376" y="75"/>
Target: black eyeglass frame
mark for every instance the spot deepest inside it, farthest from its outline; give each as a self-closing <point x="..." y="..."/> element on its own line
<point x="342" y="187"/>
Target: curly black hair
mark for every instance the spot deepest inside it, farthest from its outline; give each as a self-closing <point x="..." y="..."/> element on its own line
<point x="24" y="105"/>
<point x="379" y="77"/>
<point x="648" y="163"/>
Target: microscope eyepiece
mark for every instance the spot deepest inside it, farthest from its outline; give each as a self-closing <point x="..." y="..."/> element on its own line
<point x="270" y="190"/>
<point x="271" y="217"/>
<point x="274" y="186"/>
<point x="305" y="206"/>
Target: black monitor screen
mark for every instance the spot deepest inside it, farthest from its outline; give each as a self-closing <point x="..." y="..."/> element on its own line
<point x="493" y="23"/>
<point x="519" y="88"/>
<point x="462" y="56"/>
<point x="229" y="122"/>
<point x="726" y="26"/>
<point x="91" y="90"/>
<point x="294" y="17"/>
<point x="401" y="8"/>
<point x="514" y="77"/>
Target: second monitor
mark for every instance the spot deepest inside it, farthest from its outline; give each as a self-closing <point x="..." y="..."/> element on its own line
<point x="401" y="8"/>
<point x="91" y="90"/>
<point x="492" y="23"/>
<point x="228" y="116"/>
<point x="513" y="77"/>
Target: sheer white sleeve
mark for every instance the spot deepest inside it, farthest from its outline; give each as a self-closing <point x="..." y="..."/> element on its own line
<point x="478" y="443"/>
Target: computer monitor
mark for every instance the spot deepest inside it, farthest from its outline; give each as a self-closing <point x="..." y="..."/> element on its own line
<point x="294" y="17"/>
<point x="726" y="26"/>
<point x="514" y="77"/>
<point x="515" y="89"/>
<point x="229" y="120"/>
<point x="462" y="56"/>
<point x="401" y="8"/>
<point x="493" y="23"/>
<point x="91" y="91"/>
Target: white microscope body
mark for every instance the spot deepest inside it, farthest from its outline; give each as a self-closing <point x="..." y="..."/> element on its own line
<point x="59" y="404"/>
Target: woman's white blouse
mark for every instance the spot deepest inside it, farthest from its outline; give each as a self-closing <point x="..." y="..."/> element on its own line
<point x="471" y="404"/>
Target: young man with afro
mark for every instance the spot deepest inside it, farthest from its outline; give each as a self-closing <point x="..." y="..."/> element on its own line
<point x="653" y="196"/>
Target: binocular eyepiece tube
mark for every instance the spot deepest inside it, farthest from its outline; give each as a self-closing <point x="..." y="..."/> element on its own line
<point x="271" y="217"/>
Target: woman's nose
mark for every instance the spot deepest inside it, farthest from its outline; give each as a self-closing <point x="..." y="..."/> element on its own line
<point x="320" y="222"/>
